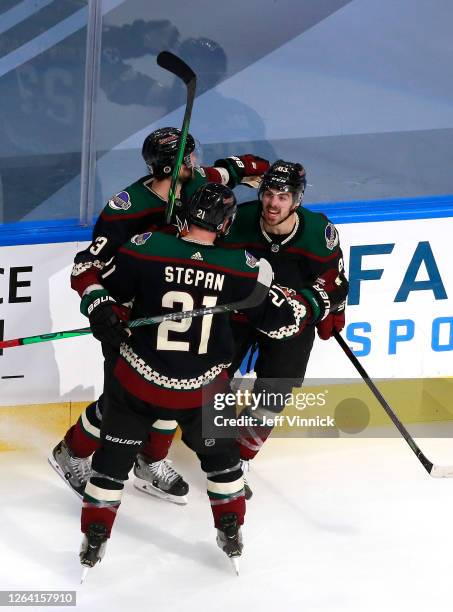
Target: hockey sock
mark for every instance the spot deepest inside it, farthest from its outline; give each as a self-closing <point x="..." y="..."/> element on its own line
<point x="251" y="440"/>
<point x="159" y="440"/>
<point x="83" y="438"/>
<point x="101" y="501"/>
<point x="226" y="493"/>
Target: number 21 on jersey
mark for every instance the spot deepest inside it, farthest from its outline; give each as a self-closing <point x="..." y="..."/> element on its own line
<point x="186" y="300"/>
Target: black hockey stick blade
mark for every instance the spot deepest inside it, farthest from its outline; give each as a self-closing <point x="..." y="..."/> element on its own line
<point x="258" y="295"/>
<point x="175" y="65"/>
<point x="436" y="471"/>
<point x="171" y="62"/>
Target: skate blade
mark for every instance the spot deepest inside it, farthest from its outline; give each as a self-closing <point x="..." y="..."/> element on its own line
<point x="235" y="564"/>
<point x="84" y="574"/>
<point x="147" y="487"/>
<point x="60" y="473"/>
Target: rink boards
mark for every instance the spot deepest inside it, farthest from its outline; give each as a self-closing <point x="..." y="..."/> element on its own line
<point x="399" y="323"/>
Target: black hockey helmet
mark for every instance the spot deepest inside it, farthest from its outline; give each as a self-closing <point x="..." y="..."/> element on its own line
<point x="285" y="176"/>
<point x="210" y="206"/>
<point x="160" y="150"/>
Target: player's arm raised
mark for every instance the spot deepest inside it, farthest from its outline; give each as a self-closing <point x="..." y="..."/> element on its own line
<point x="232" y="171"/>
<point x="244" y="169"/>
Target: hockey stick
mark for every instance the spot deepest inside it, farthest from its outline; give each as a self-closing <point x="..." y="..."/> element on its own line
<point x="176" y="66"/>
<point x="437" y="471"/>
<point x="257" y="296"/>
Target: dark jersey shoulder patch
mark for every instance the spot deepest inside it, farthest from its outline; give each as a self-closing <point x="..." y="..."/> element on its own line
<point x="250" y="259"/>
<point x="120" y="201"/>
<point x="140" y="239"/>
<point x="331" y="236"/>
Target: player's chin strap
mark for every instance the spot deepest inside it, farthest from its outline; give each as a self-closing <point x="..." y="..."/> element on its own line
<point x="436" y="471"/>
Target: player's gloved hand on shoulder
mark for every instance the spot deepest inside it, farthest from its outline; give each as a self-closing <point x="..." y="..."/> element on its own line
<point x="107" y="318"/>
<point x="327" y="296"/>
<point x="246" y="169"/>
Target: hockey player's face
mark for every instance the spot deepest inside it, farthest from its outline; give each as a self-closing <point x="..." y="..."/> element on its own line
<point x="277" y="206"/>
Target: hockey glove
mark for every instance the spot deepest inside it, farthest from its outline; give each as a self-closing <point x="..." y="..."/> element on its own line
<point x="334" y="321"/>
<point x="246" y="169"/>
<point x="107" y="318"/>
<point x="327" y="295"/>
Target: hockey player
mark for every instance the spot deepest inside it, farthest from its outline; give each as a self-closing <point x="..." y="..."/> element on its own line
<point x="300" y="245"/>
<point x="138" y="208"/>
<point x="172" y="371"/>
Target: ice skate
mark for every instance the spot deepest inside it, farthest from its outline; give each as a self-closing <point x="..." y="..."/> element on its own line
<point x="93" y="547"/>
<point x="75" y="471"/>
<point x="160" y="479"/>
<point x="245" y="468"/>
<point x="229" y="539"/>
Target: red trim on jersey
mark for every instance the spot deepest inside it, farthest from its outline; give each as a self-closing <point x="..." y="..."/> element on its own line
<point x="166" y="398"/>
<point x="165" y="229"/>
<point x="192" y="262"/>
<point x="239" y="317"/>
<point x="137" y="215"/>
<point x="263" y="247"/>
<point x="241" y="245"/>
<point x="298" y="251"/>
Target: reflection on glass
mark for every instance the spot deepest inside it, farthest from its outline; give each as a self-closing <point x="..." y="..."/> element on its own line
<point x="42" y="106"/>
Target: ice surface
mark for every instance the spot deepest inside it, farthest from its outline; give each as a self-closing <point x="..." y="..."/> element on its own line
<point x="334" y="525"/>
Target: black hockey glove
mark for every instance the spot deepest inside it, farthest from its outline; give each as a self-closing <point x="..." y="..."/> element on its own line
<point x="327" y="294"/>
<point x="243" y="169"/>
<point x="107" y="318"/>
